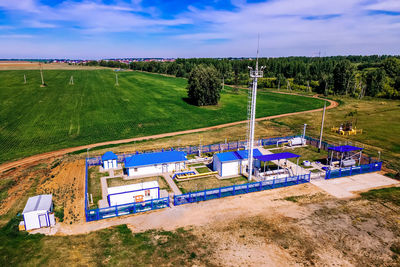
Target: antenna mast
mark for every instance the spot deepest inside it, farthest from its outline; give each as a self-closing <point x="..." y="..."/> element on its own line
<point x="256" y="73"/>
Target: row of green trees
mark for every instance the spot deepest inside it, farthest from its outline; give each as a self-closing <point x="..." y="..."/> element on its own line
<point x="358" y="76"/>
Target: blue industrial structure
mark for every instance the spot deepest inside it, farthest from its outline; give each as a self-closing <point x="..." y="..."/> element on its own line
<point x="345" y="155"/>
<point x="277" y="156"/>
<point x="130" y="208"/>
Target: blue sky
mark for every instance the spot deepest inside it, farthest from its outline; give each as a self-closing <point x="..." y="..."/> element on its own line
<point x="213" y="28"/>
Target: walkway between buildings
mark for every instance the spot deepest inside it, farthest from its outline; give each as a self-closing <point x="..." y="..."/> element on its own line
<point x="171" y="184"/>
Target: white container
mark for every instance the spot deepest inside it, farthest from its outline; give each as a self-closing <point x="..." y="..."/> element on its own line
<point x="306" y="163"/>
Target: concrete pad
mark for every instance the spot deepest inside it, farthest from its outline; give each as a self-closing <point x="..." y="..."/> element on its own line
<point x="346" y="186"/>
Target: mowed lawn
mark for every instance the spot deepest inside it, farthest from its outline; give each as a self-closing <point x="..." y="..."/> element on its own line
<point x="36" y="119"/>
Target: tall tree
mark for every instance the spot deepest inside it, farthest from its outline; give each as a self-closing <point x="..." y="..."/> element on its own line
<point x="375" y="81"/>
<point x="343" y="76"/>
<point x="392" y="67"/>
<point x="204" y="86"/>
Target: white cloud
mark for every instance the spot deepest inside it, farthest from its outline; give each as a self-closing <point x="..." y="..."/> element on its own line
<point x="290" y="27"/>
<point x="388" y="5"/>
<point x="20" y="5"/>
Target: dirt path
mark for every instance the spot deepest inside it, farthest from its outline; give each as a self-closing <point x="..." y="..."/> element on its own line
<point x="35" y="158"/>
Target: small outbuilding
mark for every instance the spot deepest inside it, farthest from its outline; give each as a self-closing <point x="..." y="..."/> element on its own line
<point x="155" y="163"/>
<point x="38" y="212"/>
<point x="139" y="192"/>
<point x="109" y="160"/>
<point x="232" y="163"/>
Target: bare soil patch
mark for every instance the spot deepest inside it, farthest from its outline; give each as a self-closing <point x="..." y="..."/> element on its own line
<point x="67" y="185"/>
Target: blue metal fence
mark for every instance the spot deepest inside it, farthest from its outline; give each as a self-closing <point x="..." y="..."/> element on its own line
<point x="125" y="209"/>
<point x="239" y="189"/>
<point x="342" y="172"/>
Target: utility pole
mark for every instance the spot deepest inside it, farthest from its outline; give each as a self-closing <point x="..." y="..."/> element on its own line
<point x="322" y="129"/>
<point x="71" y="80"/>
<point x="24" y="78"/>
<point x="116" y="80"/>
<point x="41" y="75"/>
<point x="253" y="74"/>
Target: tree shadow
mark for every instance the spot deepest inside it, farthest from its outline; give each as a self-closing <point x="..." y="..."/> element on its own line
<point x="188" y="101"/>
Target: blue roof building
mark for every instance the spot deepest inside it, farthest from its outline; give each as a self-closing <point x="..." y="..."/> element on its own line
<point x="110" y="160"/>
<point x="152" y="163"/>
<point x="232" y="163"/>
<point x="109" y="155"/>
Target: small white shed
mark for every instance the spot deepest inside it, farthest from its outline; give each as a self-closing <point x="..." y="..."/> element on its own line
<point x="109" y="160"/>
<point x="38" y="212"/>
<point x="133" y="193"/>
<point x="232" y="163"/>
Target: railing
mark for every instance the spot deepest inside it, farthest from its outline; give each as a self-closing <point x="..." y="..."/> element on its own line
<point x="125" y="209"/>
<point x="342" y="172"/>
<point x="239" y="189"/>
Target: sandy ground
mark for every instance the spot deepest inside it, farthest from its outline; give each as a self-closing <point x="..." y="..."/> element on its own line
<point x="24" y="179"/>
<point x="30" y="160"/>
<point x="348" y="187"/>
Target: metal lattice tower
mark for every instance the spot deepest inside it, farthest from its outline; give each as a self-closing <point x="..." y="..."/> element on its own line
<point x="251" y="110"/>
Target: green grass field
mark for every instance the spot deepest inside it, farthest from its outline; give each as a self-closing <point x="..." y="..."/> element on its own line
<point x="36" y="119"/>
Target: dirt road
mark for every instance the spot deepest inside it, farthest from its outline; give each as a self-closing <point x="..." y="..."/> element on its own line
<point x="35" y="158"/>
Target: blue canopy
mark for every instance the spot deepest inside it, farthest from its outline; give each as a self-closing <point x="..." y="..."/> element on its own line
<point x="277" y="156"/>
<point x="109" y="155"/>
<point x="236" y="155"/>
<point x="155" y="158"/>
<point x="346" y="148"/>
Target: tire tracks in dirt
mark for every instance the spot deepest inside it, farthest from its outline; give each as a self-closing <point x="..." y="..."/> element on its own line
<point x="32" y="159"/>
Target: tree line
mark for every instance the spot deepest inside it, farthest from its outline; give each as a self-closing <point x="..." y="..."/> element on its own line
<point x="358" y="76"/>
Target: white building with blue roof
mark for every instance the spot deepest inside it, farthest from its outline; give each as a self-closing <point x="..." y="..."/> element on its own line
<point x="155" y="163"/>
<point x="232" y="163"/>
<point x="109" y="160"/>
